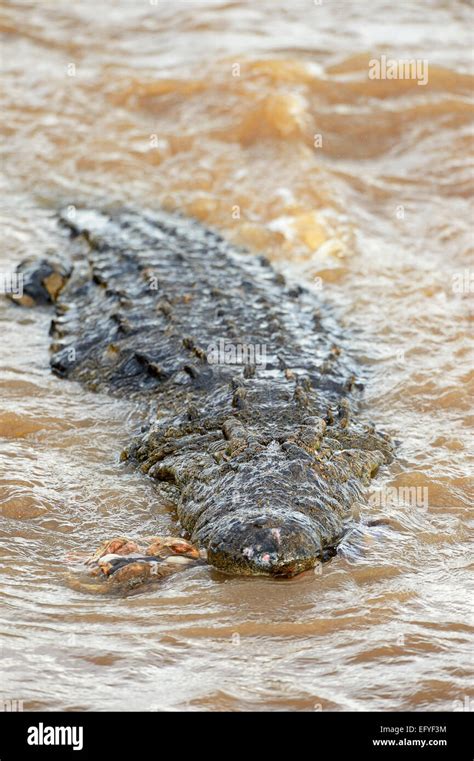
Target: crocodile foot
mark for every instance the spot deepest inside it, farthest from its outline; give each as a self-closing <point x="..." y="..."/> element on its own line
<point x="121" y="565"/>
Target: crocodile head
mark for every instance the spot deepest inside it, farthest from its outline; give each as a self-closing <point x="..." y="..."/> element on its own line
<point x="269" y="544"/>
<point x="273" y="514"/>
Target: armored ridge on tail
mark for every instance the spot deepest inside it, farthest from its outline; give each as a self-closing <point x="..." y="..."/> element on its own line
<point x="252" y="439"/>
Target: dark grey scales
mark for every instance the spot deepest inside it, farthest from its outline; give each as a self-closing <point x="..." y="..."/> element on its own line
<point x="263" y="463"/>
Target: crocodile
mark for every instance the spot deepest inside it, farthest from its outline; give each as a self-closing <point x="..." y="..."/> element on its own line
<point x="253" y="434"/>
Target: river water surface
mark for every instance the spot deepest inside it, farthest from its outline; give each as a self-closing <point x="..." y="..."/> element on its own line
<point x="258" y="118"/>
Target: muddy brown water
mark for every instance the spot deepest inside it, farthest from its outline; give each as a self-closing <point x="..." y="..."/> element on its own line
<point x="259" y="119"/>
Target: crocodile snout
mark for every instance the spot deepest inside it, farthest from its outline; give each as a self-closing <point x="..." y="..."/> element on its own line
<point x="270" y="545"/>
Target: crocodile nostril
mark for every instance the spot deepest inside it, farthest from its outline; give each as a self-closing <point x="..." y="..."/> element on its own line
<point x="267" y="558"/>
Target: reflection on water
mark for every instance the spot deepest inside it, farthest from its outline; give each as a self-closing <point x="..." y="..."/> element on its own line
<point x="260" y="119"/>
